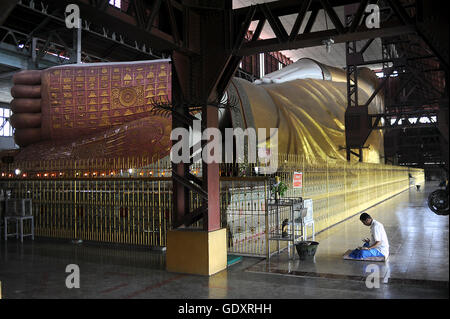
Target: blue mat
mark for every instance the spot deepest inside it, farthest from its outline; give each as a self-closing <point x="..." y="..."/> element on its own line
<point x="347" y="257"/>
<point x="233" y="259"/>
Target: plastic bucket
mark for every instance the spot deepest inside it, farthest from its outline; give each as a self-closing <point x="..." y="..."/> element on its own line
<point x="306" y="249"/>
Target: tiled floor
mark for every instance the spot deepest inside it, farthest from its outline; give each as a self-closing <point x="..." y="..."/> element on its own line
<point x="418" y="241"/>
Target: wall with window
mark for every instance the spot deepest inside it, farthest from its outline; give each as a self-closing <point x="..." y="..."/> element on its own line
<point x="6" y="131"/>
<point x="116" y="3"/>
<point x="5" y="126"/>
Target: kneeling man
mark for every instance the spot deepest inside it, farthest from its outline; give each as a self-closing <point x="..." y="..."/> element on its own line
<point x="378" y="246"/>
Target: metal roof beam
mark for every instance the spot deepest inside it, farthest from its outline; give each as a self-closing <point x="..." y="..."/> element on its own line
<point x="316" y="38"/>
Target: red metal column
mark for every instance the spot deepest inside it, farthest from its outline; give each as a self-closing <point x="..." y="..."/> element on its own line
<point x="201" y="79"/>
<point x="211" y="175"/>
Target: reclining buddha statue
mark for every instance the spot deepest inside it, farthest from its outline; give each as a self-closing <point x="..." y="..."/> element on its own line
<point x="104" y="110"/>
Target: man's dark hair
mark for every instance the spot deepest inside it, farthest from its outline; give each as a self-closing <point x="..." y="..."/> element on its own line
<point x="364" y="216"/>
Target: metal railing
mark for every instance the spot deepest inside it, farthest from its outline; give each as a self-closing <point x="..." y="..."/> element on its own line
<point x="129" y="200"/>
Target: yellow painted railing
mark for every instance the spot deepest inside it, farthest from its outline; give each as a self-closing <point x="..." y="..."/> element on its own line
<point x="338" y="189"/>
<point x="129" y="200"/>
<point x="341" y="189"/>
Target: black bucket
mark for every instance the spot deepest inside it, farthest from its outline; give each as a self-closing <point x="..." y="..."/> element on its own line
<point x="306" y="249"/>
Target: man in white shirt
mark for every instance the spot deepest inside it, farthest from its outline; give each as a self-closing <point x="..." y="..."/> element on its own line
<point x="378" y="246"/>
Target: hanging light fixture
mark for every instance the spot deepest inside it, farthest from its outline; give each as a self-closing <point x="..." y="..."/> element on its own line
<point x="328" y="43"/>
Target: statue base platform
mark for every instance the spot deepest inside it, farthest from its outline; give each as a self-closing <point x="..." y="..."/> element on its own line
<point x="196" y="252"/>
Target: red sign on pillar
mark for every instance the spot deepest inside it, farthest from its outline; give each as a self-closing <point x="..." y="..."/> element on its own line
<point x="297" y="180"/>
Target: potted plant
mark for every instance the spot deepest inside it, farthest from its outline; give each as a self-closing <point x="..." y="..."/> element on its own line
<point x="279" y="188"/>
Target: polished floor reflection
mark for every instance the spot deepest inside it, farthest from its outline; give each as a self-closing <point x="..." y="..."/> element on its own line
<point x="418" y="241"/>
<point x="418" y="265"/>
